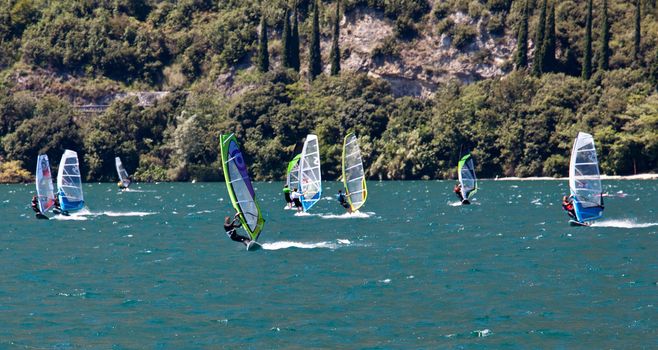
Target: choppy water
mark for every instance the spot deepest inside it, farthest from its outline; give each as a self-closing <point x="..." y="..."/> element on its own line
<point x="150" y="269"/>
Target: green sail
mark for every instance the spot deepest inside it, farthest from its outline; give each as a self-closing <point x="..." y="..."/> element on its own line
<point x="292" y="173"/>
<point x="467" y="179"/>
<point x="239" y="187"/>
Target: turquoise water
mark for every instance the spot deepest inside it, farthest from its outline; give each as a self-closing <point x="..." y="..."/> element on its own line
<point x="151" y="269"/>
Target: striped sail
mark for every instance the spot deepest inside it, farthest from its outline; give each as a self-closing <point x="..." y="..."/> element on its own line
<point x="310" y="182"/>
<point x="121" y="171"/>
<point x="69" y="182"/>
<point x="292" y="173"/>
<point x="240" y="189"/>
<point x="354" y="178"/>
<point x="585" y="180"/>
<point x="44" y="183"/>
<point x="467" y="179"/>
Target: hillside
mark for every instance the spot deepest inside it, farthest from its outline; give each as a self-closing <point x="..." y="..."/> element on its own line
<point x="420" y="81"/>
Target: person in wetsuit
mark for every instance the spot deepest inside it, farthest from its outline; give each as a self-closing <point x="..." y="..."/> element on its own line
<point x="35" y="205"/>
<point x="295" y="196"/>
<point x="286" y="195"/>
<point x="343" y="201"/>
<point x="458" y="191"/>
<point x="567" y="205"/>
<point x="231" y="229"/>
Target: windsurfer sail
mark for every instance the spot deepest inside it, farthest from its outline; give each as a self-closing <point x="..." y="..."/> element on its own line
<point x="124" y="178"/>
<point x="44" y="183"/>
<point x="239" y="187"/>
<point x="353" y="176"/>
<point x="310" y="182"/>
<point x="69" y="183"/>
<point x="585" y="179"/>
<point x="292" y="173"/>
<point x="467" y="179"/>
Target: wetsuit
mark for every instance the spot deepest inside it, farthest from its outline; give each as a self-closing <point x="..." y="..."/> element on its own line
<point x="232" y="233"/>
<point x="568" y="207"/>
<point x="295" y="199"/>
<point x="35" y="206"/>
<point x="458" y="192"/>
<point x="343" y="201"/>
<point x="286" y="194"/>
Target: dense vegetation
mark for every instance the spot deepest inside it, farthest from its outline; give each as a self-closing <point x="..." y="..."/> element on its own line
<point x="522" y="124"/>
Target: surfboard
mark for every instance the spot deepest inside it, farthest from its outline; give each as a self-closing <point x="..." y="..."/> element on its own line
<point x="253" y="246"/>
<point x="466" y="202"/>
<point x="239" y="187"/>
<point x="41" y="216"/>
<point x="578" y="223"/>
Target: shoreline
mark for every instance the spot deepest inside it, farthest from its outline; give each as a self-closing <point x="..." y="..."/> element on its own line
<point x="603" y="177"/>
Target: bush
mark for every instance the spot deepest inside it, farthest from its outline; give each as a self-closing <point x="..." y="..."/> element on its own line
<point x="463" y="36"/>
<point x="13" y="172"/>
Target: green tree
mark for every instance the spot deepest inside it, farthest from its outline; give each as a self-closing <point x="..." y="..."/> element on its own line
<point x="604" y="47"/>
<point x="315" y="55"/>
<point x="522" y="39"/>
<point x="587" y="56"/>
<point x="263" y="53"/>
<point x="335" y="49"/>
<point x="540" y="32"/>
<point x="653" y="70"/>
<point x="286" y="41"/>
<point x="638" y="32"/>
<point x="549" y="63"/>
<point x="294" y="38"/>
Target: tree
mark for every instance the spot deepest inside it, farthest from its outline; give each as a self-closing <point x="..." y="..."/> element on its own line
<point x="587" y="57"/>
<point x="294" y="38"/>
<point x="638" y="32"/>
<point x="549" y="63"/>
<point x="522" y="40"/>
<point x="286" y="41"/>
<point x="604" y="53"/>
<point x="263" y="54"/>
<point x="539" y="40"/>
<point x="653" y="71"/>
<point x="335" y="49"/>
<point x="315" y="56"/>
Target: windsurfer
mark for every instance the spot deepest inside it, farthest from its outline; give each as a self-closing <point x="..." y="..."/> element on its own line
<point x="567" y="205"/>
<point x="230" y="228"/>
<point x="286" y="195"/>
<point x="35" y="205"/>
<point x="343" y="201"/>
<point x="458" y="191"/>
<point x="295" y="199"/>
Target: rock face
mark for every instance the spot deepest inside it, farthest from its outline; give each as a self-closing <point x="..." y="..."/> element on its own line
<point x="421" y="64"/>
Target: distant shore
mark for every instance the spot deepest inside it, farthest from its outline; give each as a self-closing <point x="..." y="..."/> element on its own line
<point x="603" y="177"/>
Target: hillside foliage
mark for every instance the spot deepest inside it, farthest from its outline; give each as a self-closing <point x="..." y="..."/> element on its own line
<point x="522" y="124"/>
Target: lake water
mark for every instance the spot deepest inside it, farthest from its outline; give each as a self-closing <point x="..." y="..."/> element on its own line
<point x="152" y="269"/>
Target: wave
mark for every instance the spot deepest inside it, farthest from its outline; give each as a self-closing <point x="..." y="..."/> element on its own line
<point x="455" y="204"/>
<point x="301" y="245"/>
<point x="71" y="217"/>
<point x="627" y="223"/>
<point x="355" y="215"/>
<point x="129" y="213"/>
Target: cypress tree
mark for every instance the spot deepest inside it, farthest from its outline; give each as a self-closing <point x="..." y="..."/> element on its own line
<point x="638" y="32"/>
<point x="653" y="70"/>
<point x="604" y="54"/>
<point x="294" y="38"/>
<point x="335" y="49"/>
<point x="548" y="46"/>
<point x="522" y="40"/>
<point x="315" y="56"/>
<point x="263" y="54"/>
<point x="539" y="40"/>
<point x="286" y="42"/>
<point x="587" y="58"/>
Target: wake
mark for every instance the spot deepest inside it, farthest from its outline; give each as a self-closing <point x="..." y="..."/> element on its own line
<point x="301" y="245"/>
<point x="627" y="223"/>
<point x="84" y="214"/>
<point x="354" y="215"/>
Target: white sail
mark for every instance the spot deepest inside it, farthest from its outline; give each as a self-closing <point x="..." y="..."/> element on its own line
<point x="292" y="173"/>
<point x="467" y="178"/>
<point x="585" y="179"/>
<point x="121" y="171"/>
<point x="69" y="182"/>
<point x="353" y="173"/>
<point x="310" y="181"/>
<point x="44" y="183"/>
